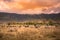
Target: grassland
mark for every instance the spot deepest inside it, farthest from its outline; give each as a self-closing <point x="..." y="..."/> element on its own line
<point x="30" y="31"/>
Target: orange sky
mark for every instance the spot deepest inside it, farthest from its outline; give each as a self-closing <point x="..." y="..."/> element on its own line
<point x="30" y="6"/>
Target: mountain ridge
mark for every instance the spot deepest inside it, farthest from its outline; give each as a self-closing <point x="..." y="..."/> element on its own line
<point x="4" y="16"/>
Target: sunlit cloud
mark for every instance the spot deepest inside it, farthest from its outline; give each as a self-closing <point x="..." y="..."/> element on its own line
<point x="30" y="6"/>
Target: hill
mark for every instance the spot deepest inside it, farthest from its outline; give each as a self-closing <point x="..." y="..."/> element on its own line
<point x="22" y="17"/>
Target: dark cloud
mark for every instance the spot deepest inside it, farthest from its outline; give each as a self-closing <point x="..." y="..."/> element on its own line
<point x="7" y="0"/>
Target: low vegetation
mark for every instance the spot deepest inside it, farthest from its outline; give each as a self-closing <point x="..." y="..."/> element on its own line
<point x="30" y="31"/>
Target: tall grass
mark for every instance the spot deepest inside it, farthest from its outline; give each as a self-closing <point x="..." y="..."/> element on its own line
<point x="32" y="34"/>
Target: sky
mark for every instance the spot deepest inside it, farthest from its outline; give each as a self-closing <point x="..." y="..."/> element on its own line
<point x="30" y="6"/>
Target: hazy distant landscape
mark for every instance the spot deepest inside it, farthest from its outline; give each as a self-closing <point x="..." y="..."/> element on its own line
<point x="29" y="27"/>
<point x="4" y="16"/>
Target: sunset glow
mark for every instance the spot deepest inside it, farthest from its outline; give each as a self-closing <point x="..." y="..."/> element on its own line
<point x="30" y="6"/>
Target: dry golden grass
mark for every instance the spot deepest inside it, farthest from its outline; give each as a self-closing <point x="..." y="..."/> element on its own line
<point x="23" y="33"/>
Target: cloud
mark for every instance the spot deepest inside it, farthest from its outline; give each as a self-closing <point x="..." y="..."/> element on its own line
<point x="7" y="0"/>
<point x="30" y="6"/>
